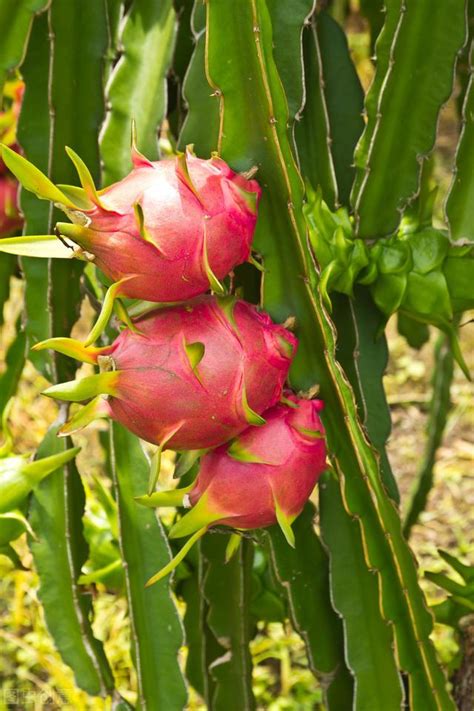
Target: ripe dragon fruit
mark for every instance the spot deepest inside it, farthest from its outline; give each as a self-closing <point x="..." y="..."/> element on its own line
<point x="264" y="477"/>
<point x="10" y="217"/>
<point x="167" y="232"/>
<point x="194" y="375"/>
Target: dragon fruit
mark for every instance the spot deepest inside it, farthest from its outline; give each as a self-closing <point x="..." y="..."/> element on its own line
<point x="10" y="217"/>
<point x="194" y="375"/>
<point x="167" y="232"/>
<point x="265" y="476"/>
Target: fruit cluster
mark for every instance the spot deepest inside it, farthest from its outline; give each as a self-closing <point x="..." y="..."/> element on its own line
<point x="198" y="373"/>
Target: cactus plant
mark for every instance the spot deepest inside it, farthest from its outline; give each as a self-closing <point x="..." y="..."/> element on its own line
<point x="283" y="165"/>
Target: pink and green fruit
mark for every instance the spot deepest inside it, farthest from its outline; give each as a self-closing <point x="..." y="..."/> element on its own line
<point x="169" y="231"/>
<point x="263" y="477"/>
<point x="194" y="376"/>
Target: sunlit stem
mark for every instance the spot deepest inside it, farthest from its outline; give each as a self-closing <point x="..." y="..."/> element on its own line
<point x="174" y="562"/>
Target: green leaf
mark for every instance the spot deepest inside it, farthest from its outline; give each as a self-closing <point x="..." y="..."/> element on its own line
<point x="440" y="405"/>
<point x="416" y="55"/>
<point x="16" y="17"/>
<point x="460" y="201"/>
<point x="155" y="626"/>
<point x="303" y="573"/>
<point x="253" y="131"/>
<point x="137" y="86"/>
<point x="226" y="588"/>
<point x="59" y="552"/>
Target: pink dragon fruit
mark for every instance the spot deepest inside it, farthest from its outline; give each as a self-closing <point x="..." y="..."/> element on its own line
<point x="167" y="232"/>
<point x="10" y="217"/>
<point x="264" y="477"/>
<point x="193" y="377"/>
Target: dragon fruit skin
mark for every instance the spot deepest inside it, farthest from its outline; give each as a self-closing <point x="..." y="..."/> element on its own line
<point x="194" y="222"/>
<point x="10" y="218"/>
<point x="196" y="374"/>
<point x="264" y="477"/>
<point x="285" y="458"/>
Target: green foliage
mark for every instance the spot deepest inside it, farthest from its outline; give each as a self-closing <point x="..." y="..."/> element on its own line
<point x="16" y="17"/>
<point x="303" y="573"/>
<point x="59" y="552"/>
<point x="155" y="628"/>
<point x="377" y="681"/>
<point x="417" y="48"/>
<point x="226" y="589"/>
<point x="137" y="87"/>
<point x="459" y="207"/>
<point x="270" y="86"/>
